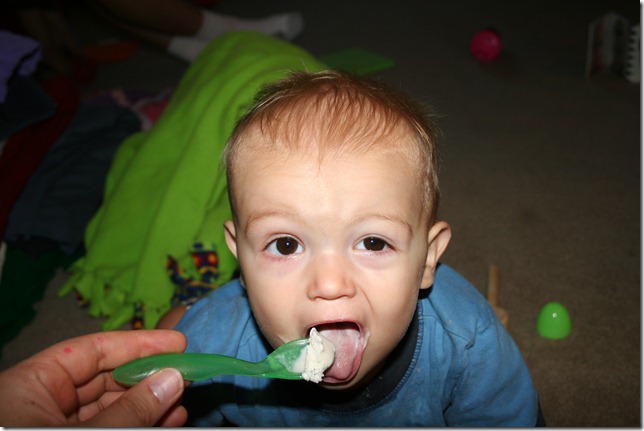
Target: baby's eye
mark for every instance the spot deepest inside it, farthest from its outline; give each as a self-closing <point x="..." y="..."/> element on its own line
<point x="284" y="246"/>
<point x="373" y="244"/>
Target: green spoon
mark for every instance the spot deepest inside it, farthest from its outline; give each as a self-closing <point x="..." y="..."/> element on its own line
<point x="201" y="366"/>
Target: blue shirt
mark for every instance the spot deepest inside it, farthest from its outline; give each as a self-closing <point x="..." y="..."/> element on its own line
<point x="457" y="366"/>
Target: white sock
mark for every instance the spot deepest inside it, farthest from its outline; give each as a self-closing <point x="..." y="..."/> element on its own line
<point x="186" y="48"/>
<point x="286" y="25"/>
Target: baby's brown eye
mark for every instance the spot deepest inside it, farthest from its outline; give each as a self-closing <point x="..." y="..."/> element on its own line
<point x="374" y="244"/>
<point x="284" y="246"/>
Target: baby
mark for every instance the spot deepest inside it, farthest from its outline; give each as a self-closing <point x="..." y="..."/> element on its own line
<point x="333" y="187"/>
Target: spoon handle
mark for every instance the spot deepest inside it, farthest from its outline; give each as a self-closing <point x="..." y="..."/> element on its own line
<point x="195" y="367"/>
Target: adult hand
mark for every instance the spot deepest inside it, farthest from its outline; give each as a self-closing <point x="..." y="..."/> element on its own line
<point x="71" y="383"/>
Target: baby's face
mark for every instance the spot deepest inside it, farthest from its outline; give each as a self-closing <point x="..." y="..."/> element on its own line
<point x="341" y="246"/>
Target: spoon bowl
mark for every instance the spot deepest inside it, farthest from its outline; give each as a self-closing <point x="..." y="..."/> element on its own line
<point x="201" y="366"/>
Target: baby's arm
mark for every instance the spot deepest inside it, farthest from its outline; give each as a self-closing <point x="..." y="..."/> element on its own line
<point x="172" y="317"/>
<point x="495" y="388"/>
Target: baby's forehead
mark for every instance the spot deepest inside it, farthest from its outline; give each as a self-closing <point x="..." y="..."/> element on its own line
<point x="325" y="139"/>
<point x="272" y="170"/>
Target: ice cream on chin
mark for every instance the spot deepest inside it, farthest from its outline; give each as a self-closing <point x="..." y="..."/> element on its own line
<point x="315" y="358"/>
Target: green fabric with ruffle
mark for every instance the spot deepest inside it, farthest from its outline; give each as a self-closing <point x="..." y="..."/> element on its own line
<point x="166" y="189"/>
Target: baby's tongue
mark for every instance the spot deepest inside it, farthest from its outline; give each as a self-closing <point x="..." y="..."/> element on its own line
<point x="348" y="348"/>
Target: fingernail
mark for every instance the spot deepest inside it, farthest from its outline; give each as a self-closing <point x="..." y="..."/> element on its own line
<point x="166" y="383"/>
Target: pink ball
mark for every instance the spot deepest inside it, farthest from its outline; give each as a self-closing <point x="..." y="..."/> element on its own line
<point x="485" y="45"/>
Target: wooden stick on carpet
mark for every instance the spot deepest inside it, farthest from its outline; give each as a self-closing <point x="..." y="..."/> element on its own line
<point x="493" y="295"/>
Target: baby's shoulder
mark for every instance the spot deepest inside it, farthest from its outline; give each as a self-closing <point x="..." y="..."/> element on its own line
<point x="456" y="305"/>
<point x="231" y="294"/>
<point x="225" y="312"/>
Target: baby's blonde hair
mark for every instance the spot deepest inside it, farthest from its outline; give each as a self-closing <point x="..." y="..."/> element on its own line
<point x="336" y="111"/>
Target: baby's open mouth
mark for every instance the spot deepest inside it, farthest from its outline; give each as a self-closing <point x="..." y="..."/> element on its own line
<point x="349" y="345"/>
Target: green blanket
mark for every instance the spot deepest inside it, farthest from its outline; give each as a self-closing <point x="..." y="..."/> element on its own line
<point x="166" y="190"/>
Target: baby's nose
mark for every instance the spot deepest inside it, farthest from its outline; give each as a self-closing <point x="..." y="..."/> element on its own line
<point x="330" y="278"/>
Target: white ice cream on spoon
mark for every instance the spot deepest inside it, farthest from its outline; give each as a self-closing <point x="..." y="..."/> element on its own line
<point x="315" y="358"/>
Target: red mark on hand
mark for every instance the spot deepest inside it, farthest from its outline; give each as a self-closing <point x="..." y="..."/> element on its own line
<point x="68" y="350"/>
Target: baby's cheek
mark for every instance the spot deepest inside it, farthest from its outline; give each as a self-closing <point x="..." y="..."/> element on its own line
<point x="268" y="310"/>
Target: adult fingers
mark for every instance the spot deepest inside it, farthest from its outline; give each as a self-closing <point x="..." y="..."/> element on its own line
<point x="146" y="403"/>
<point x="86" y="356"/>
<point x="176" y="417"/>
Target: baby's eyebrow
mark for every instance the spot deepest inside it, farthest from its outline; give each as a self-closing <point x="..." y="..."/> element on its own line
<point x="253" y="218"/>
<point x="388" y="217"/>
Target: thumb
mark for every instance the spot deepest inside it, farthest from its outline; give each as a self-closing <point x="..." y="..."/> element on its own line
<point x="145" y="403"/>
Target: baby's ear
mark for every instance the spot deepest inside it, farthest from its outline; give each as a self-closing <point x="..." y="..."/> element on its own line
<point x="231" y="241"/>
<point x="437" y="240"/>
<point x="231" y="236"/>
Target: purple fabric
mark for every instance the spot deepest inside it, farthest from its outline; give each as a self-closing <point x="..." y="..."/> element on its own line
<point x="19" y="55"/>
